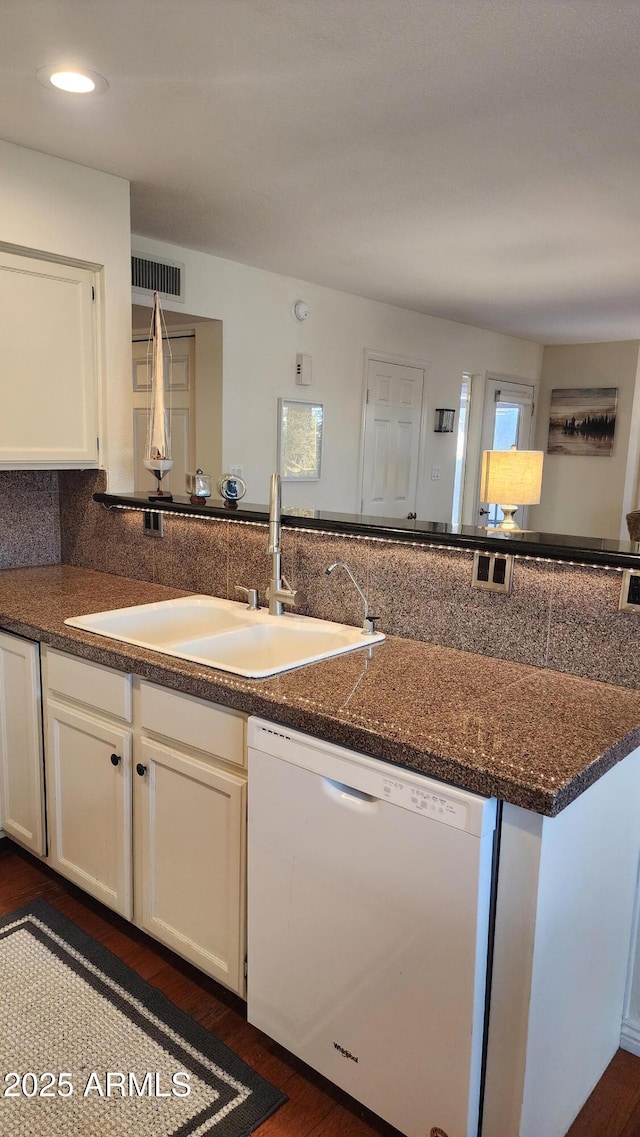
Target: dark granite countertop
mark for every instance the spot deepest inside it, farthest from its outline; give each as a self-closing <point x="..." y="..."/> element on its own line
<point x="536" y="738"/>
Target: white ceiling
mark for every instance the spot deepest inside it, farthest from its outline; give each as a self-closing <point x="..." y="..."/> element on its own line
<point x="473" y="159"/>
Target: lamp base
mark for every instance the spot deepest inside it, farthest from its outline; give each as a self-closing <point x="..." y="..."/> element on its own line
<point x="508" y="522"/>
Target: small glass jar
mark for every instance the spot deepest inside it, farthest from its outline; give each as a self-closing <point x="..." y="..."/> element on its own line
<point x="199" y="484"/>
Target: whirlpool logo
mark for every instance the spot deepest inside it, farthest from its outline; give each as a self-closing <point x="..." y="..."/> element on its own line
<point x="344" y="1053"/>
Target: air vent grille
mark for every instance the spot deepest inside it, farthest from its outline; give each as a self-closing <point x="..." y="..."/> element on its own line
<point x="151" y="275"/>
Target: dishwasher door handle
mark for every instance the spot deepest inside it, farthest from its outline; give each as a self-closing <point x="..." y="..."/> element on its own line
<point x="348" y="795"/>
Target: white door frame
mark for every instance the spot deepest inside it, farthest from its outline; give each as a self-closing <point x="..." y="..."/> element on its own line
<point x="401" y="361"/>
<point x="474" y="433"/>
<point x="513" y="381"/>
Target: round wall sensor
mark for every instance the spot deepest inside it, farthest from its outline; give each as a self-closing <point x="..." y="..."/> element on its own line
<point x="299" y="310"/>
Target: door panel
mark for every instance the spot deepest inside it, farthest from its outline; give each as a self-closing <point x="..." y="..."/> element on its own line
<point x="89" y="800"/>
<point x="380" y="389"/>
<point x="381" y="431"/>
<point x="49" y="363"/>
<point x="403" y="464"/>
<point x="190" y="836"/>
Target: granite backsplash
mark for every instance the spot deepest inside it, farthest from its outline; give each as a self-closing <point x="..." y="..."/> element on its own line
<point x="563" y="617"/>
<point x="29" y="518"/>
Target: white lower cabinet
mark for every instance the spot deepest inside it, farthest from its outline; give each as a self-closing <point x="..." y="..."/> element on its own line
<point x="146" y="798"/>
<point x="89" y="804"/>
<point x="21" y="775"/>
<point x="189" y="839"/>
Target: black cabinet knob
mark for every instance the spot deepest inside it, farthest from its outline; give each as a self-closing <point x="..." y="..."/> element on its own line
<point x="115" y="759"/>
<point x="141" y="770"/>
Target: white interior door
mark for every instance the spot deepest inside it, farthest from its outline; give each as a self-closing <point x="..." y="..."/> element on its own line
<point x="506" y="421"/>
<point x="181" y="389"/>
<point x="393" y="417"/>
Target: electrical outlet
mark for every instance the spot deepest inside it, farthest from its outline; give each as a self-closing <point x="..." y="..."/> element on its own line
<point x="630" y="591"/>
<point x="492" y="572"/>
<point x="152" y="523"/>
<point x="435" y="473"/>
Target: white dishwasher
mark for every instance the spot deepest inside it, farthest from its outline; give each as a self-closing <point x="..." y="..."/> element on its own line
<point x="368" y="923"/>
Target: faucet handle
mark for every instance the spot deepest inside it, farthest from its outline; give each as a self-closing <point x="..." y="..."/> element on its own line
<point x="369" y="624"/>
<point x="285" y="594"/>
<point x="300" y="597"/>
<point x="251" y="595"/>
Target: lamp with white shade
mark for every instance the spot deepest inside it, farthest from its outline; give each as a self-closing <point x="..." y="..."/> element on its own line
<point x="511" y="476"/>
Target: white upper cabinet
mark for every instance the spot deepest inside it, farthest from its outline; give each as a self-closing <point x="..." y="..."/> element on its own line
<point x="49" y="358"/>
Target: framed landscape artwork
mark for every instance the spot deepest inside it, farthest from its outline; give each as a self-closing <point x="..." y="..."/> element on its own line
<point x="582" y="420"/>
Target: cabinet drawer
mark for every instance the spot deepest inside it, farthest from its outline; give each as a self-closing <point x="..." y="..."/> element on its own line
<point x="194" y="722"/>
<point x="98" y="687"/>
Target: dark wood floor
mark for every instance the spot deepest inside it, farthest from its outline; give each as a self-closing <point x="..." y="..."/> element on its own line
<point x="314" y="1109"/>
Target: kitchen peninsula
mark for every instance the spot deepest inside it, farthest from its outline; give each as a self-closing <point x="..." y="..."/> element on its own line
<point x="548" y="746"/>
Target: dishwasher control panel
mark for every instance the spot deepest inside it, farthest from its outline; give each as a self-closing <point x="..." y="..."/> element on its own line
<point x="432" y="804"/>
<point x="374" y="778"/>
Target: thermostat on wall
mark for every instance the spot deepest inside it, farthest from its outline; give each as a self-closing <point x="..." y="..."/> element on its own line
<point x="303" y="370"/>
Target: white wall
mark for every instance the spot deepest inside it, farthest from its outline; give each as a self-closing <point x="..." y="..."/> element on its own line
<point x="260" y="341"/>
<point x="208" y="406"/>
<point x="51" y="206"/>
<point x="587" y="496"/>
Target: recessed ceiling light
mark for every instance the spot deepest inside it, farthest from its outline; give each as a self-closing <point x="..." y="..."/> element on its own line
<point x="75" y="80"/>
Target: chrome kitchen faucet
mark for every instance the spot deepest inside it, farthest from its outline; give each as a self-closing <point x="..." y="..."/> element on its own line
<point x="369" y="621"/>
<point x="279" y="591"/>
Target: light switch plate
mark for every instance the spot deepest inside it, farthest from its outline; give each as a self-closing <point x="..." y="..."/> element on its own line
<point x="492" y="572"/>
<point x="630" y="592"/>
<point x="153" y="523"/>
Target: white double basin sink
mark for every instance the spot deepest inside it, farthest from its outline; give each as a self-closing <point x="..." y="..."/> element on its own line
<point x="226" y="635"/>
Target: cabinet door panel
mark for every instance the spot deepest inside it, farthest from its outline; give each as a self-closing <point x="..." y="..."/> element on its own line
<point x="49" y="363"/>
<point x="89" y="804"/>
<point x="21" y="762"/>
<point x="190" y="837"/>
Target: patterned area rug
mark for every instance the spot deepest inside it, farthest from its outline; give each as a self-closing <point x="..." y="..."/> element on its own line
<point x="88" y="1048"/>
